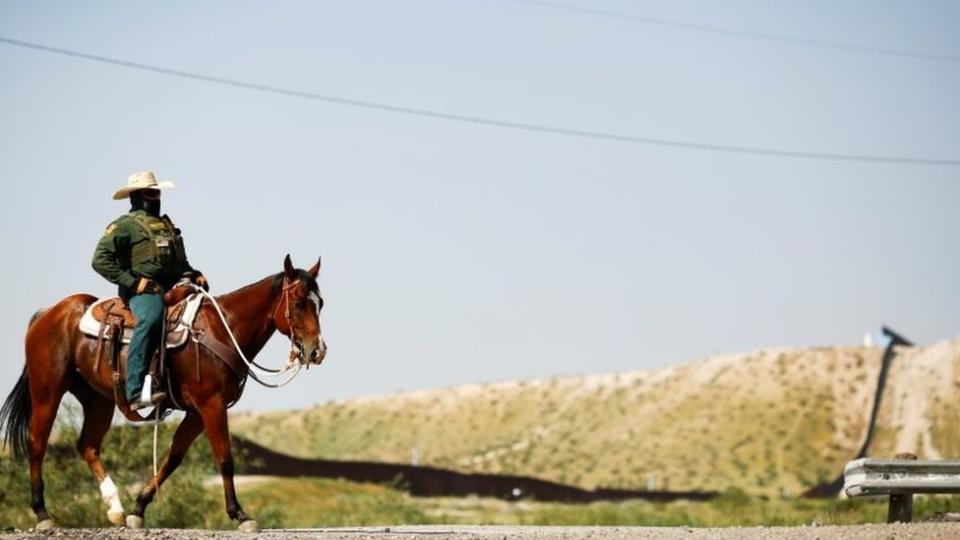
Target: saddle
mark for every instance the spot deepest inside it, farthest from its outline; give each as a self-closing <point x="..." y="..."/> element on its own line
<point x="110" y="321"/>
<point x="115" y="307"/>
<point x="106" y="315"/>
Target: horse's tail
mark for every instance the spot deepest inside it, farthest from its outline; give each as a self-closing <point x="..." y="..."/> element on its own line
<point x="16" y="410"/>
<point x="15" y="418"/>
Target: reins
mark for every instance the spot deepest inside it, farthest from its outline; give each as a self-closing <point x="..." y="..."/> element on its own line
<point x="292" y="368"/>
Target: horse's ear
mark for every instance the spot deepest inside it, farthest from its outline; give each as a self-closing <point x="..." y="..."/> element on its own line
<point x="288" y="268"/>
<point x="315" y="269"/>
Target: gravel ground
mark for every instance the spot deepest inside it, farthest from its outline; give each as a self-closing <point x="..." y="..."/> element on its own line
<point x="865" y="532"/>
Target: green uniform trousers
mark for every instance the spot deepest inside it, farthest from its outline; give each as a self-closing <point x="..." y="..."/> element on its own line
<point x="148" y="309"/>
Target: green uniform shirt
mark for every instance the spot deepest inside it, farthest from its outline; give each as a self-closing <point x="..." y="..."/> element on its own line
<point x="124" y="242"/>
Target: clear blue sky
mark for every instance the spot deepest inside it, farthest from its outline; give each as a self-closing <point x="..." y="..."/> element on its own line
<point x="456" y="253"/>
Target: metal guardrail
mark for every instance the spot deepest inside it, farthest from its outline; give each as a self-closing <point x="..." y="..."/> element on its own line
<point x="900" y="479"/>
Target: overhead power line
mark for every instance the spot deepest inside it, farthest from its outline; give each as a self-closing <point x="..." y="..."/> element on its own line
<point x="748" y="34"/>
<point x="598" y="135"/>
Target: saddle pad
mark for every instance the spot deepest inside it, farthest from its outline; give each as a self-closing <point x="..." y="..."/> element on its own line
<point x="177" y="334"/>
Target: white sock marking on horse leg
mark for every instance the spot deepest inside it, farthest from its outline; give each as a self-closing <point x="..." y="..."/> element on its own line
<point x="111" y="496"/>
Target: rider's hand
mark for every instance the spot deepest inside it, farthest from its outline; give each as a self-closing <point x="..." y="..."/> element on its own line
<point x="148" y="286"/>
<point x="201" y="280"/>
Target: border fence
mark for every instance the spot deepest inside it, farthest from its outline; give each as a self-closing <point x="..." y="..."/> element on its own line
<point x="435" y="482"/>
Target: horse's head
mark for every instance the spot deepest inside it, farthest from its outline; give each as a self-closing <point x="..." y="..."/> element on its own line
<point x="298" y="313"/>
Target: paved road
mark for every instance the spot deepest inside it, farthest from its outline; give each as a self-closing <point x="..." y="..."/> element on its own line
<point x="936" y="531"/>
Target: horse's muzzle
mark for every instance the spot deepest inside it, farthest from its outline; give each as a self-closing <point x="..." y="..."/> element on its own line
<point x="310" y="354"/>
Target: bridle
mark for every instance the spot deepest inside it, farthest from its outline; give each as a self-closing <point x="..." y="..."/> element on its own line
<point x="292" y="368"/>
<point x="296" y="349"/>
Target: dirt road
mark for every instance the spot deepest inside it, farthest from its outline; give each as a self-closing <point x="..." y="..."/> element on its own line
<point x="942" y="531"/>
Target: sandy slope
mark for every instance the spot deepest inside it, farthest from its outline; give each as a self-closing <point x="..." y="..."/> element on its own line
<point x="771" y="421"/>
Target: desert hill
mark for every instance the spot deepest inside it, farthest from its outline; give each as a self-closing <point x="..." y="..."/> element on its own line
<point x="769" y="421"/>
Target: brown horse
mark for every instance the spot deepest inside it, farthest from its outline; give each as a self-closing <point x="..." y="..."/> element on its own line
<point x="61" y="359"/>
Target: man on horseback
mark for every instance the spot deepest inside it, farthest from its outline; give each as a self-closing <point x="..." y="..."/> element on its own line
<point x="142" y="252"/>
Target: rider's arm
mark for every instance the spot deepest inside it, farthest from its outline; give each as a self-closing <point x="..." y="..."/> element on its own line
<point x="107" y="256"/>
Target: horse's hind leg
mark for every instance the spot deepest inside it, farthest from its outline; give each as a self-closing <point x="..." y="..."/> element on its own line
<point x="48" y="374"/>
<point x="97" y="414"/>
<point x="46" y="391"/>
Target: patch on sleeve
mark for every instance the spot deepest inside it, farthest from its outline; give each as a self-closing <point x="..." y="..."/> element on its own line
<point x="110" y="228"/>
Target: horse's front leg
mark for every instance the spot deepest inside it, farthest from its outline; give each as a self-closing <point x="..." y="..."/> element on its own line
<point x="186" y="433"/>
<point x="214" y="415"/>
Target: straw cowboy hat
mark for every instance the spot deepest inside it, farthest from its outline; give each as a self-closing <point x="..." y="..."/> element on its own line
<point x="141" y="180"/>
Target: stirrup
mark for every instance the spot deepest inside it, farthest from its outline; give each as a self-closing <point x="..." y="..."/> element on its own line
<point x="155" y="399"/>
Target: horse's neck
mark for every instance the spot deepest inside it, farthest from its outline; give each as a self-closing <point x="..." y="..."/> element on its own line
<point x="249" y="312"/>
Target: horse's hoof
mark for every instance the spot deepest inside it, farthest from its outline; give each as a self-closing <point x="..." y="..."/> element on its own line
<point x="249" y="526"/>
<point x="46" y="525"/>
<point x="134" y="522"/>
<point x="115" y="517"/>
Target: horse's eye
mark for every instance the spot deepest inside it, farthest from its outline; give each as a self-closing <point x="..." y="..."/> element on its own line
<point x="299" y="304"/>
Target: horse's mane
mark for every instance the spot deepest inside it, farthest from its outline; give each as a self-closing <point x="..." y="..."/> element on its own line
<point x="276" y="281"/>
